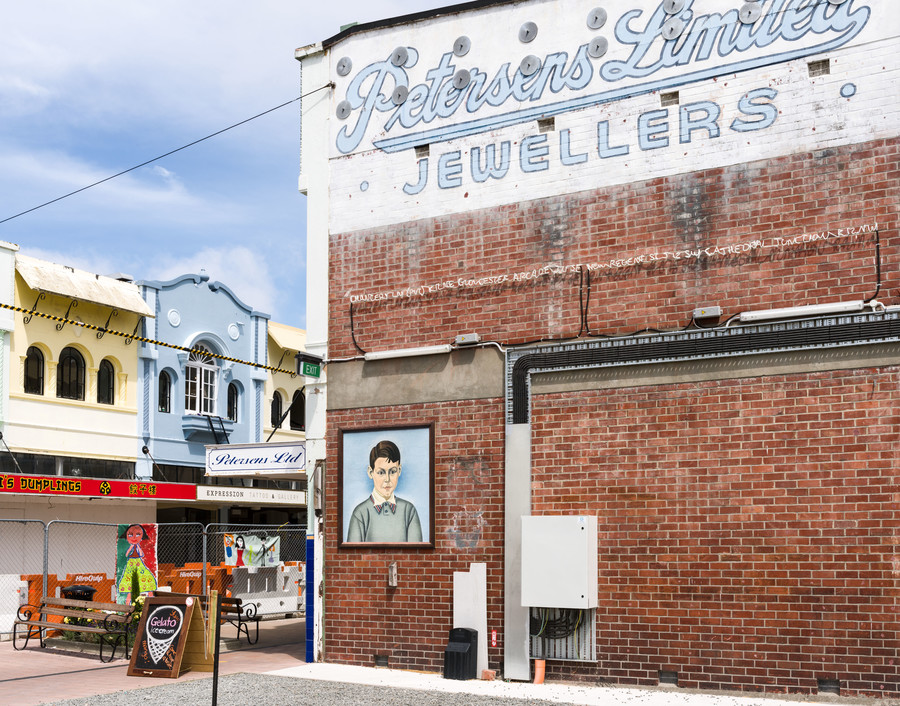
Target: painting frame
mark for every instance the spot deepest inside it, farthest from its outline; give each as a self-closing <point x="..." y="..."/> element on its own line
<point x="414" y="487"/>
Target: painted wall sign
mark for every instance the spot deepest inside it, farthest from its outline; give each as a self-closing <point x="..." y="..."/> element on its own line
<point x="838" y="235"/>
<point x="255" y="459"/>
<point x="232" y="495"/>
<point x="741" y="92"/>
<point x="95" y="487"/>
<point x="708" y="45"/>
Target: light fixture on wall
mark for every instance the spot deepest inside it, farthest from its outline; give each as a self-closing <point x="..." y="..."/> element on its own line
<point x="793" y="312"/>
<point x="408" y="352"/>
<point x="146" y="452"/>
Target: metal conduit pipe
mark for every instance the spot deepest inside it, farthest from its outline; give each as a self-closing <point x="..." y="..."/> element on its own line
<point x="711" y="343"/>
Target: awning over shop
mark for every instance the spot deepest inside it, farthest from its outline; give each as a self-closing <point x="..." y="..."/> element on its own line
<point x="43" y="276"/>
<point x="287" y="337"/>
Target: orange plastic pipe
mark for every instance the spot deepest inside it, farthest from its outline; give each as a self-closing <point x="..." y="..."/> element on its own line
<point x="538" y="671"/>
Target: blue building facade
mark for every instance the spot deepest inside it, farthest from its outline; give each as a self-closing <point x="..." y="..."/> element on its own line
<point x="193" y="392"/>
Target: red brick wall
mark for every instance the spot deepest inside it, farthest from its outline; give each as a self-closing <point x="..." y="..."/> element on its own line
<point x="410" y="623"/>
<point x="784" y="197"/>
<point x="748" y="528"/>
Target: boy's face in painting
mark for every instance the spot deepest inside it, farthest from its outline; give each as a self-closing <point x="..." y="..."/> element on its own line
<point x="385" y="475"/>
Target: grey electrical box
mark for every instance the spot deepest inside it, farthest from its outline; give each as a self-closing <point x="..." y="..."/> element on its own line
<point x="467" y="339"/>
<point x="707" y="312"/>
<point x="559" y="562"/>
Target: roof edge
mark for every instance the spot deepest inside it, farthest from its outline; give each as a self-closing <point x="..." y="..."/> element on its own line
<point x="413" y="17"/>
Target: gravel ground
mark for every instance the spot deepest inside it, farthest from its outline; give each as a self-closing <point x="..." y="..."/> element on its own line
<point x="267" y="690"/>
<point x="273" y="690"/>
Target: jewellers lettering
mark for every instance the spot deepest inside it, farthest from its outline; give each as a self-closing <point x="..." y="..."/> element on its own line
<point x="705" y="36"/>
<point x="702" y="119"/>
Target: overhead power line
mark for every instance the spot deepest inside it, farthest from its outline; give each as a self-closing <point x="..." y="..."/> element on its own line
<point x="162" y="156"/>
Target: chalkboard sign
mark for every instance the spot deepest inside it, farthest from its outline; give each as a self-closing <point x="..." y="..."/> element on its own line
<point x="161" y="637"/>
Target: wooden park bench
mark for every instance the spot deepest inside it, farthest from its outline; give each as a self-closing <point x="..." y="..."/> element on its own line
<point x="233" y="611"/>
<point x="112" y="622"/>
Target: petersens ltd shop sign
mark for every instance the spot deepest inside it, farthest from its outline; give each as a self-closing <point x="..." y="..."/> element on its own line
<point x="256" y="459"/>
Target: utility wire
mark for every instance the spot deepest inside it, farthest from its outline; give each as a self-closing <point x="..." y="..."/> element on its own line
<point x="162" y="156"/>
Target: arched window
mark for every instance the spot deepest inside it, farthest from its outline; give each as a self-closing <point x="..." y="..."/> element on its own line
<point x="106" y="383"/>
<point x="34" y="371"/>
<point x="232" y="402"/>
<point x="298" y="411"/>
<point x="276" y="410"/>
<point x="200" y="379"/>
<point x="70" y="375"/>
<point x="165" y="392"/>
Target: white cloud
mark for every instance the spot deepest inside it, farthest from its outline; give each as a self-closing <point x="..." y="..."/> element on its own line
<point x="29" y="179"/>
<point x="167" y="177"/>
<point x="244" y="270"/>
<point x="21" y="96"/>
<point x="88" y="89"/>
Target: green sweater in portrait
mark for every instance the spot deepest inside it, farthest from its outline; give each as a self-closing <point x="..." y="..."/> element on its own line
<point x="400" y="525"/>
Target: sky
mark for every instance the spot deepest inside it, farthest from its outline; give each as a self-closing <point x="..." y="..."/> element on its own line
<point x="89" y="89"/>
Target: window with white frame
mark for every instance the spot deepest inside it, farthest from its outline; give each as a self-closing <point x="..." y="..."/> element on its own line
<point x="200" y="378"/>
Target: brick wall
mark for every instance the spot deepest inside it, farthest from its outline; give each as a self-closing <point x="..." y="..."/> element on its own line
<point x="747" y="528"/>
<point x="410" y="623"/>
<point x="784" y="197"/>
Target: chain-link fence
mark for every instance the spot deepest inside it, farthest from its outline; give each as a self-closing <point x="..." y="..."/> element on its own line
<point x="21" y="567"/>
<point x="82" y="554"/>
<point x="285" y="543"/>
<point x="263" y="564"/>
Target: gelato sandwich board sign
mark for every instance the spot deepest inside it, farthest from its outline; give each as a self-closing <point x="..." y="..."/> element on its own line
<point x="163" y="636"/>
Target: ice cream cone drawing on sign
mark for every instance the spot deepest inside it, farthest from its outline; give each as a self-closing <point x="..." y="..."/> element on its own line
<point x="163" y="626"/>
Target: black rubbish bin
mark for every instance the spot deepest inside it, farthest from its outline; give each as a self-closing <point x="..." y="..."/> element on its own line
<point x="461" y="655"/>
<point x="78" y="593"/>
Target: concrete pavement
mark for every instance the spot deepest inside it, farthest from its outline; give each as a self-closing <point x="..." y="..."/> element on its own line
<point x="44" y="676"/>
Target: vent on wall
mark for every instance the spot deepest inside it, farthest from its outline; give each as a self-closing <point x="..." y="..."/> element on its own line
<point x="670" y="98"/>
<point x="668" y="678"/>
<point x="819" y="68"/>
<point x="830" y="686"/>
<point x="560" y="633"/>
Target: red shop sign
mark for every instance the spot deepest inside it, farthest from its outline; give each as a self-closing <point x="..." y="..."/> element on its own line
<point x="96" y="487"/>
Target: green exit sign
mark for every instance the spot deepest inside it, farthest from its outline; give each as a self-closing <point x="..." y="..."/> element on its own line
<point x="311" y="370"/>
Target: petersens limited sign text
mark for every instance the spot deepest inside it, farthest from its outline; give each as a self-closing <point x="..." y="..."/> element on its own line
<point x="250" y="459"/>
<point x="708" y="46"/>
